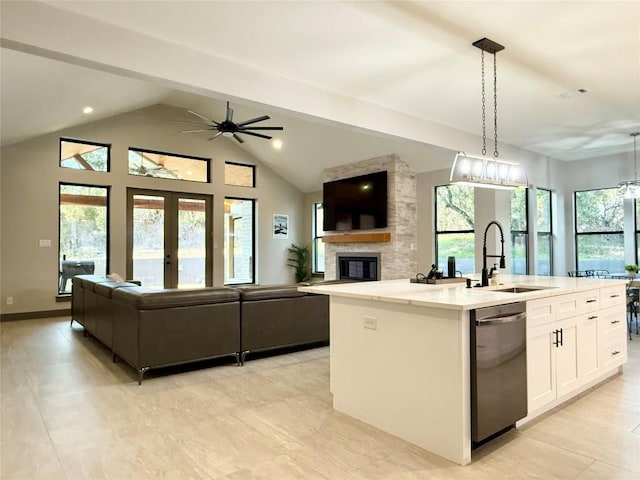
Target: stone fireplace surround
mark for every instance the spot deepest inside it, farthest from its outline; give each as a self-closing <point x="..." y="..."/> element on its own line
<point x="397" y="257"/>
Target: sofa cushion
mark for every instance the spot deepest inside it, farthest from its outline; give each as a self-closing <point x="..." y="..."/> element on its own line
<point x="145" y="298"/>
<point x="86" y="281"/>
<point x="269" y="292"/>
<point x="106" y="289"/>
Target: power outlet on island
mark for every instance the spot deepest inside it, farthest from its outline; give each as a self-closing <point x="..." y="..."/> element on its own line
<point x="370" y="322"/>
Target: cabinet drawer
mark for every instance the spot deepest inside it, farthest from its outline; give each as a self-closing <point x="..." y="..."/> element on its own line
<point x="540" y="311"/>
<point x="577" y="303"/>
<point x="610" y="296"/>
<point x="612" y="321"/>
<point x="613" y="351"/>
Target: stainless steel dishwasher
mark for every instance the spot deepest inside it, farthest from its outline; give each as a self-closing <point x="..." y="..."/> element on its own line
<point x="498" y="369"/>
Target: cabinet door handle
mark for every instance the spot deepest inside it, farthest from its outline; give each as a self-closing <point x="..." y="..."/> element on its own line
<point x="593" y="317"/>
<point x="555" y="341"/>
<point x="615" y="296"/>
<point x="591" y="301"/>
<point x="615" y="321"/>
<point x="561" y="340"/>
<point x="615" y="352"/>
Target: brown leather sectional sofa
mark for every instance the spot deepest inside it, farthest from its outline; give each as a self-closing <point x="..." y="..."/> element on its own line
<point x="158" y="328"/>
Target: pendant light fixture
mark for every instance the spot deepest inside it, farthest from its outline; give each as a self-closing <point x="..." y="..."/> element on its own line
<point x="631" y="188"/>
<point x="483" y="171"/>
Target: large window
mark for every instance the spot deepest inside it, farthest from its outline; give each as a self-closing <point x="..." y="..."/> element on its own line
<point x="318" y="244"/>
<point x="455" y="227"/>
<point x="599" y="230"/>
<point x="544" y="254"/>
<point x="83" y="232"/>
<point x="239" y="253"/>
<point x="519" y="232"/>
<point x="147" y="163"/>
<point x="82" y="155"/>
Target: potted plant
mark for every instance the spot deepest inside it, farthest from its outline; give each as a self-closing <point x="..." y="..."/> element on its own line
<point x="632" y="269"/>
<point x="299" y="260"/>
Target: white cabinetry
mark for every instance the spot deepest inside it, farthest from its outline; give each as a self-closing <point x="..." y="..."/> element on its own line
<point x="572" y="340"/>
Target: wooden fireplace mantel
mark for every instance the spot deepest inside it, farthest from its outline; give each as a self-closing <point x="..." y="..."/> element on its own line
<point x="370" y="237"/>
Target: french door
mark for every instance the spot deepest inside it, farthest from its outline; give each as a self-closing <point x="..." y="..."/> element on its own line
<point x="169" y="239"/>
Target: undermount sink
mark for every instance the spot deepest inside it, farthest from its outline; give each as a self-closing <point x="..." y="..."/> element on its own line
<point x="519" y="289"/>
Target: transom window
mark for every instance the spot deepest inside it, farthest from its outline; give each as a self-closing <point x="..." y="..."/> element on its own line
<point x="239" y="174"/>
<point x="147" y="163"/>
<point x="83" y="155"/>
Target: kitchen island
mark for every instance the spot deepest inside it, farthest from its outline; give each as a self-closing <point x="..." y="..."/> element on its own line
<point x="400" y="351"/>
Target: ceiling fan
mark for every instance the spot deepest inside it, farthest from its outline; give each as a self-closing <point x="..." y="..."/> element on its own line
<point x="228" y="127"/>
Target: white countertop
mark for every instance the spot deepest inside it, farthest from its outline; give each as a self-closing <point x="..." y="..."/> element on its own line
<point x="456" y="296"/>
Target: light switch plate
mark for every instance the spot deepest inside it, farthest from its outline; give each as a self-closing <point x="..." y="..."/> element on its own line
<point x="45" y="243"/>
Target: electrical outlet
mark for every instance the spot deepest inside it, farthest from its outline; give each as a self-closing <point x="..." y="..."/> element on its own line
<point x="9" y="300"/>
<point x="370" y="322"/>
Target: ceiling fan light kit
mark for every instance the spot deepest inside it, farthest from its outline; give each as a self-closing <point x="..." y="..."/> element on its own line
<point x="483" y="171"/>
<point x="631" y="188"/>
<point x="228" y="128"/>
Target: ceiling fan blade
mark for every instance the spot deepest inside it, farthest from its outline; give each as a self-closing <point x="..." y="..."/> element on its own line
<point x="229" y="117"/>
<point x="203" y="117"/>
<point x="238" y="138"/>
<point x="193" y="123"/>
<point x="246" y="132"/>
<point x="215" y="136"/>
<point x="194" y="131"/>
<point x="254" y="120"/>
<point x="260" y="128"/>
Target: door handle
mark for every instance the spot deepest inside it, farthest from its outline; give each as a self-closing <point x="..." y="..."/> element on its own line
<point x="555" y="341"/>
<point x="561" y="339"/>
<point x="592" y="317"/>
<point x="591" y="301"/>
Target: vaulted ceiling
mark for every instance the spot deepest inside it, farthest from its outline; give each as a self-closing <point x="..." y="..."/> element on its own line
<point x="347" y="80"/>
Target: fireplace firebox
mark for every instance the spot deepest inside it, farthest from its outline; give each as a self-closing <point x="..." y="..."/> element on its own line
<point x="363" y="267"/>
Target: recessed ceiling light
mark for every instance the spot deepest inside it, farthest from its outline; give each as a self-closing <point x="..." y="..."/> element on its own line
<point x="276" y="143"/>
<point x="87" y="109"/>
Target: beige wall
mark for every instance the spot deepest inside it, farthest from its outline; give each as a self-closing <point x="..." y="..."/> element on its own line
<point x="30" y="176"/>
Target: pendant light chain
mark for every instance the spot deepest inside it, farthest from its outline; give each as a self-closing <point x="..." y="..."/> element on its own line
<point x="495" y="106"/>
<point x="484" y="124"/>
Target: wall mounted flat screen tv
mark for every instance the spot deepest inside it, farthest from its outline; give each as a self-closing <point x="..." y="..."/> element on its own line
<point x="355" y="203"/>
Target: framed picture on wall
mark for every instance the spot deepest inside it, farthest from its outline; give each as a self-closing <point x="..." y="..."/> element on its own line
<point x="280" y="225"/>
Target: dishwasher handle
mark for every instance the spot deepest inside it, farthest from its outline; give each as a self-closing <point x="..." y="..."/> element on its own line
<point x="500" y="319"/>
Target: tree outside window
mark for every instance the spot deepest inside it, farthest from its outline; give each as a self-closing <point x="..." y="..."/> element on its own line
<point x="455" y="227"/>
<point x="544" y="256"/>
<point x="599" y="222"/>
<point x="83" y="227"/>
<point x="519" y="232"/>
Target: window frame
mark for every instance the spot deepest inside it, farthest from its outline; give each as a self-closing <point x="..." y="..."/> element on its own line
<point x="169" y="154"/>
<point x="549" y="233"/>
<point x="594" y="233"/>
<point x="522" y="232"/>
<point x="316" y="238"/>
<point x="84" y="142"/>
<point x="239" y="164"/>
<point x="437" y="232"/>
<point x="107" y="227"/>
<point x="253" y="241"/>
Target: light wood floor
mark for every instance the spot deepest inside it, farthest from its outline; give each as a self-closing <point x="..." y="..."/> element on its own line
<point x="69" y="413"/>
